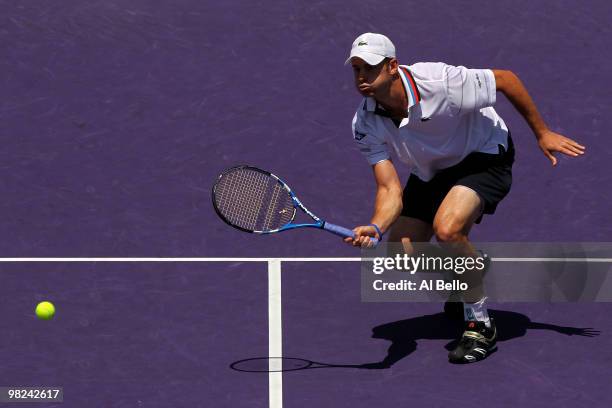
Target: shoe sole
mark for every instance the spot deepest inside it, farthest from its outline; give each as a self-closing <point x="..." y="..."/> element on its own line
<point x="463" y="361"/>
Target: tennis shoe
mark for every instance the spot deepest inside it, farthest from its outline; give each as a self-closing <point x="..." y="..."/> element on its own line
<point x="477" y="343"/>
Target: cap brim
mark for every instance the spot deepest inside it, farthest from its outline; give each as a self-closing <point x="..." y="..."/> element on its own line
<point x="368" y="57"/>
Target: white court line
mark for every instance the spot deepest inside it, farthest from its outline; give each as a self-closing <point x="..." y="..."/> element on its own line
<point x="344" y="259"/>
<point x="101" y="259"/>
<point x="275" y="343"/>
<point x="602" y="260"/>
<point x="275" y="333"/>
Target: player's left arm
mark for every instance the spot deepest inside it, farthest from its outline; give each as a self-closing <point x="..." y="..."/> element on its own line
<point x="511" y="86"/>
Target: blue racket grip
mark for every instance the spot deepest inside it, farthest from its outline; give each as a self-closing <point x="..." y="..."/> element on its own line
<point x="344" y="232"/>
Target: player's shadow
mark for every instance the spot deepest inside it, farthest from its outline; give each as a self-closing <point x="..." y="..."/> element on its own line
<point x="404" y="334"/>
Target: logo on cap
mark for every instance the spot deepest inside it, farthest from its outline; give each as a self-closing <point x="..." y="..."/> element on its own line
<point x="362" y="43"/>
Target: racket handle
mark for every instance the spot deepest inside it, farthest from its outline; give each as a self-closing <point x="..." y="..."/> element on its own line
<point x="344" y="232"/>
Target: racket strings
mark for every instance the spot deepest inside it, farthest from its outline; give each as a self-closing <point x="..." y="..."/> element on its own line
<point x="280" y="210"/>
<point x="241" y="195"/>
<point x="253" y="200"/>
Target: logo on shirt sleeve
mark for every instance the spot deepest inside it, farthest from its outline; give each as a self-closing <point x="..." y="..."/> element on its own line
<point x="359" y="135"/>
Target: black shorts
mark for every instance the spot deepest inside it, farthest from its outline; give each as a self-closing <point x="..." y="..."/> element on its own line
<point x="489" y="175"/>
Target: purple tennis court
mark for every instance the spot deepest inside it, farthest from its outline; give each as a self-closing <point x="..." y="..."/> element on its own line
<point x="116" y="119"/>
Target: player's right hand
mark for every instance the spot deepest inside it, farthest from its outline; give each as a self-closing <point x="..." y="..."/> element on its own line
<point x="362" y="236"/>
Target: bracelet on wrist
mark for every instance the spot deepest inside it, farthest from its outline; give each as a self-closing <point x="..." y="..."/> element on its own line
<point x="378" y="231"/>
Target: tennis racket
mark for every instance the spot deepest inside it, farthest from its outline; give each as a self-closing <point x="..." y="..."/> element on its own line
<point x="257" y="201"/>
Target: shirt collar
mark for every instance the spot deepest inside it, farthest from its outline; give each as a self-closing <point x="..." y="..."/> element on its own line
<point x="412" y="92"/>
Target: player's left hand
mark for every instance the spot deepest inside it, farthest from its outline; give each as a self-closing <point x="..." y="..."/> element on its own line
<point x="362" y="236"/>
<point x="551" y="142"/>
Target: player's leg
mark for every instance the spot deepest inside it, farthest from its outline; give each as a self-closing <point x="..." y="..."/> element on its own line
<point x="455" y="217"/>
<point x="415" y="222"/>
<point x="408" y="230"/>
<point x="461" y="207"/>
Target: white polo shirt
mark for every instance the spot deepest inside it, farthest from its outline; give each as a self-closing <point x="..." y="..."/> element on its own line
<point x="450" y="115"/>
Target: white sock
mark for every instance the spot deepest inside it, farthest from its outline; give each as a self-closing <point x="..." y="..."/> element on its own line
<point x="477" y="311"/>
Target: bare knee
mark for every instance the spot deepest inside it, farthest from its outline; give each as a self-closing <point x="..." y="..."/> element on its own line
<point x="449" y="232"/>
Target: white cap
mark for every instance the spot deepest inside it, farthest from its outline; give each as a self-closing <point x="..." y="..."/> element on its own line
<point x="372" y="48"/>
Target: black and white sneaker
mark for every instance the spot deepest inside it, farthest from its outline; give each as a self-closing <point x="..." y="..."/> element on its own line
<point x="477" y="343"/>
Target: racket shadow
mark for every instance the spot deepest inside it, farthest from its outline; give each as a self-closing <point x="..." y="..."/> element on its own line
<point x="285" y="364"/>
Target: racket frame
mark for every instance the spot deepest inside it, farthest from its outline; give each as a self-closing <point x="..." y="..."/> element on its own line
<point x="318" y="222"/>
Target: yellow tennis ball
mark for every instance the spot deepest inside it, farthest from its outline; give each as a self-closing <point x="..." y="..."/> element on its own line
<point x="45" y="310"/>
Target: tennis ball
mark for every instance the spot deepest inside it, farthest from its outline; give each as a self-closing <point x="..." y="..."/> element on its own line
<point x="45" y="310"/>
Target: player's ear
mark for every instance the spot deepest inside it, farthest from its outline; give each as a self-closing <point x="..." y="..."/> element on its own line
<point x="392" y="66"/>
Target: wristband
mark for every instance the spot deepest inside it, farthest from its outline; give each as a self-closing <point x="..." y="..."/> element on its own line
<point x="378" y="231"/>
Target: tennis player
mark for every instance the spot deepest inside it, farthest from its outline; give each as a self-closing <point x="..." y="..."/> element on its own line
<point x="440" y="122"/>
